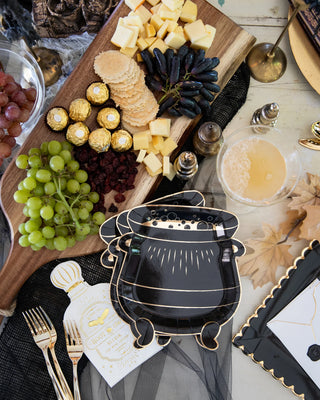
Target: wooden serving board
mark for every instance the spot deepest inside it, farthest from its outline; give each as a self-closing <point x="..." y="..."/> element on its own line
<point x="231" y="45"/>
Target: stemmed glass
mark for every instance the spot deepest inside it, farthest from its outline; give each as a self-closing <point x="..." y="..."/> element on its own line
<point x="266" y="61"/>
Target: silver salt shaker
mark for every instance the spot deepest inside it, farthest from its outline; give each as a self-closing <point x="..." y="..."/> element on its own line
<point x="208" y="139"/>
<point x="186" y="165"/>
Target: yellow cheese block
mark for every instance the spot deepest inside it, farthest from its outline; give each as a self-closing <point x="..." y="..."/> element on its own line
<point x="155" y="9"/>
<point x="153" y="173"/>
<point x="168" y="168"/>
<point x="133" y="4"/>
<point x="172" y="25"/>
<point x="129" y="51"/>
<point x="160" y="44"/>
<point x="133" y="41"/>
<point x="189" y="11"/>
<point x="142" y="44"/>
<point x="152" y="162"/>
<point x="150" y="30"/>
<point x="168" y="146"/>
<point x="157" y="142"/>
<point x="160" y="127"/>
<point x="175" y="40"/>
<point x="150" y="40"/>
<point x="166" y="13"/>
<point x="143" y="13"/>
<point x="133" y="20"/>
<point x="156" y="21"/>
<point x="163" y="29"/>
<point x="141" y="140"/>
<point x="206" y="42"/>
<point x="172" y="172"/>
<point x="173" y="5"/>
<point x="139" y="58"/>
<point x="195" y="30"/>
<point x="142" y="153"/>
<point x="122" y="36"/>
<point x="152" y="149"/>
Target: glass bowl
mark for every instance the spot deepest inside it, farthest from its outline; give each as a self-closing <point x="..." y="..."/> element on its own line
<point x="258" y="166"/>
<point x="26" y="71"/>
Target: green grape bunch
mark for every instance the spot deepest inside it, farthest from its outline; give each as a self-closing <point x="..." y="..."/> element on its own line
<point x="58" y="200"/>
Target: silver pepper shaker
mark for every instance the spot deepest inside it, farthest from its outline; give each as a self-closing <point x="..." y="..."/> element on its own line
<point x="186" y="165"/>
<point x="208" y="139"/>
<point x="266" y="115"/>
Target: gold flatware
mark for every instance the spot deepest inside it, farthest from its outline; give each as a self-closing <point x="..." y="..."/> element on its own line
<point x="75" y="351"/>
<point x="310" y="143"/>
<point x="53" y="333"/>
<point x="42" y="339"/>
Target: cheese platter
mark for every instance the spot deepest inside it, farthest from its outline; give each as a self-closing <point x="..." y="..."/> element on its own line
<point x="231" y="45"/>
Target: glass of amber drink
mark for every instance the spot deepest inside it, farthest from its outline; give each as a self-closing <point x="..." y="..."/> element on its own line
<point x="258" y="166"/>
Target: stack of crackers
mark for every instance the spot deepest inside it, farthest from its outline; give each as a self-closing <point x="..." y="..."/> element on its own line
<point x="127" y="86"/>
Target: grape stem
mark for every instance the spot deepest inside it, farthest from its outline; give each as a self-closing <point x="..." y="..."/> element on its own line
<point x="63" y="199"/>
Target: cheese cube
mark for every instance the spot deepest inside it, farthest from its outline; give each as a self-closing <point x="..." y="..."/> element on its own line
<point x="150" y="40"/>
<point x="175" y="40"/>
<point x="155" y="173"/>
<point x="163" y="30"/>
<point x="156" y="21"/>
<point x="165" y="165"/>
<point x="189" y="11"/>
<point x="142" y="44"/>
<point x="195" y="30"/>
<point x="141" y="140"/>
<point x="172" y="25"/>
<point x="139" y="58"/>
<point x="133" y="4"/>
<point x="152" y="162"/>
<point x="141" y="155"/>
<point x="129" y="51"/>
<point x="155" y="9"/>
<point x="166" y="13"/>
<point x="143" y="13"/>
<point x="152" y="149"/>
<point x="206" y="41"/>
<point x="153" y="2"/>
<point x="157" y="142"/>
<point x="173" y="4"/>
<point x="150" y="30"/>
<point x="171" y="174"/>
<point x="134" y="20"/>
<point x="168" y="146"/>
<point x="133" y="41"/>
<point x="160" y="44"/>
<point x="122" y="36"/>
<point x="160" y="127"/>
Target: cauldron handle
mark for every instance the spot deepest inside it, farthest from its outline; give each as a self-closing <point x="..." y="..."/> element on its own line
<point x="240" y="249"/>
<point x="123" y="242"/>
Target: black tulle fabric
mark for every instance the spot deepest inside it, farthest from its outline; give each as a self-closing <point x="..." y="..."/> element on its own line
<point x="23" y="375"/>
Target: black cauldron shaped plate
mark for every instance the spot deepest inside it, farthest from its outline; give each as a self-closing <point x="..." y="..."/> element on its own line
<point x="176" y="272"/>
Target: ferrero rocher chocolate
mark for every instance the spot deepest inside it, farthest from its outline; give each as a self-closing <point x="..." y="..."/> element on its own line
<point x="121" y="140"/>
<point x="99" y="140"/>
<point x="108" y="118"/>
<point x="97" y="93"/>
<point x="79" y="110"/>
<point x="57" y="118"/>
<point x="78" y="133"/>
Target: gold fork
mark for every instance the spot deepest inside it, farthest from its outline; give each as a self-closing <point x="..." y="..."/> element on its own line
<point x="42" y="339"/>
<point x="53" y="333"/>
<point x="75" y="351"/>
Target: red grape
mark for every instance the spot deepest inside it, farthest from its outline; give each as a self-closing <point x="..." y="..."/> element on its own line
<point x="12" y="112"/>
<point x="4" y="123"/>
<point x="24" y="115"/>
<point x="5" y="149"/>
<point x="19" y="97"/>
<point x="3" y="78"/>
<point x="31" y="93"/>
<point x="28" y="105"/>
<point x="10" y="88"/>
<point x="2" y="134"/>
<point x="1" y="161"/>
<point x="11" y="141"/>
<point x="15" y="129"/>
<point x="3" y="99"/>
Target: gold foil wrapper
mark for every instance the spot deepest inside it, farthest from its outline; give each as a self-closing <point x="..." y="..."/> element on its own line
<point x="57" y="118"/>
<point x="121" y="140"/>
<point x="99" y="140"/>
<point x="78" y="133"/>
<point x="79" y="110"/>
<point x="97" y="93"/>
<point x="108" y="118"/>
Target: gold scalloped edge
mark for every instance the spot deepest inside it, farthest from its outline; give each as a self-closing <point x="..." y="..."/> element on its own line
<point x="263" y="305"/>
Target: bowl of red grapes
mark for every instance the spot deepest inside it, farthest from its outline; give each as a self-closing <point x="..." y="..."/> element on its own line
<point x="22" y="94"/>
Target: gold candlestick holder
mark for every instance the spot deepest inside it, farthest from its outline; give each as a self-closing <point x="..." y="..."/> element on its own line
<point x="266" y="61"/>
